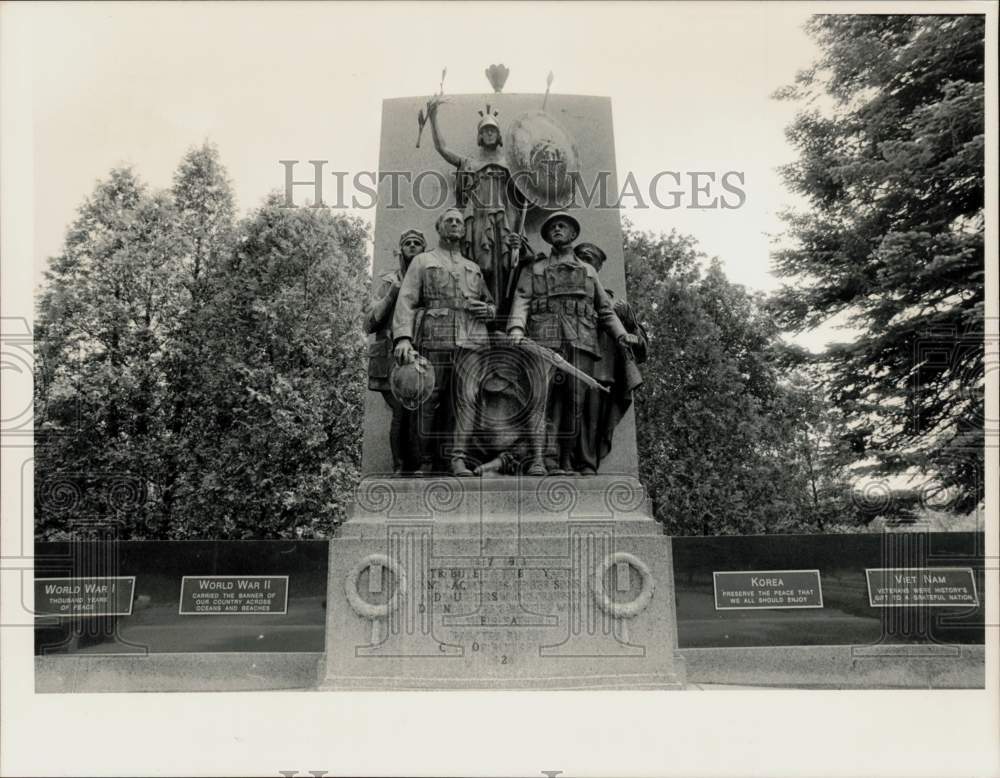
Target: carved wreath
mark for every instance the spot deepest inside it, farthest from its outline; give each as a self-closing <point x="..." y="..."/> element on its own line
<point x="367" y="609"/>
<point x="631" y="608"/>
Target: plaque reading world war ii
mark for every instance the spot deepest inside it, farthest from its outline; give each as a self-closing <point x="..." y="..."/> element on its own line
<point x="233" y="594"/>
<point x="84" y="596"/>
<point x="896" y="587"/>
<point x="759" y="589"/>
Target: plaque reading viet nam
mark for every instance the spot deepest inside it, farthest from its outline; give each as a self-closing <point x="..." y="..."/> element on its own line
<point x="759" y="589"/>
<point x="900" y="587"/>
<point x="84" y="596"/>
<point x="240" y="595"/>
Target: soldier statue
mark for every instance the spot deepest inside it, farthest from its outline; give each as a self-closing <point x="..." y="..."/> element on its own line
<point x="560" y="304"/>
<point x="441" y="315"/>
<point x="485" y="190"/>
<point x="378" y="318"/>
<point x="603" y="410"/>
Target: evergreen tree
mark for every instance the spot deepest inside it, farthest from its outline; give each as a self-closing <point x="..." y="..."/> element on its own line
<point x="195" y="378"/>
<point x="205" y="205"/>
<point x="104" y="320"/>
<point x="893" y="238"/>
<point x="203" y="197"/>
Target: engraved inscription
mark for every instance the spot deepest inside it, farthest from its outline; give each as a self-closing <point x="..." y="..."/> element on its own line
<point x="501" y="607"/>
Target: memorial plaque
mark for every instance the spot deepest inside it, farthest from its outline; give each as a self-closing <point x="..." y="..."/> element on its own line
<point x="215" y="595"/>
<point x="767" y="589"/>
<point x="901" y="587"/>
<point x="84" y="596"/>
<point x="520" y="597"/>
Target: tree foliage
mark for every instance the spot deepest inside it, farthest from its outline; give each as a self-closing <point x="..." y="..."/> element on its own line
<point x="288" y="376"/>
<point x="103" y="325"/>
<point x="727" y="443"/>
<point x="196" y="377"/>
<point x="893" y="236"/>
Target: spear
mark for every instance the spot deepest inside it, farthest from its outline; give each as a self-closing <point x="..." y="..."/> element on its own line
<point x="548" y="86"/>
<point x="515" y="259"/>
<point x="421" y="121"/>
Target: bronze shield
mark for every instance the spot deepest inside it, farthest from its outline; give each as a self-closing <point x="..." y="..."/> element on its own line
<point x="542" y="159"/>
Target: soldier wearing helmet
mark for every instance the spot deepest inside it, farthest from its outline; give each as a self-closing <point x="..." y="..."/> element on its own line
<point x="603" y="411"/>
<point x="378" y="318"/>
<point x="441" y="315"/>
<point x="561" y="304"/>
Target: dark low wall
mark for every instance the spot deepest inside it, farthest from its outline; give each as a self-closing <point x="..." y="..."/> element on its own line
<point x="846" y="618"/>
<point x="156" y="626"/>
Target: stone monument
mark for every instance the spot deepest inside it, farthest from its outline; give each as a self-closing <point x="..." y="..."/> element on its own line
<point x="500" y="541"/>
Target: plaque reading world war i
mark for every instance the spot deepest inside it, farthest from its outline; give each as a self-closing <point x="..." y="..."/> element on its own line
<point x="921" y="586"/>
<point x="203" y="595"/>
<point x="767" y="589"/>
<point x="84" y="596"/>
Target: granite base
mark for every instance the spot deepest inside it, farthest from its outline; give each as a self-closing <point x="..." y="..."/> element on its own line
<point x="512" y="583"/>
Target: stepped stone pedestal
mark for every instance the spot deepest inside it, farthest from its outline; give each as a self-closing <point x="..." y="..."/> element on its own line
<point x="505" y="583"/>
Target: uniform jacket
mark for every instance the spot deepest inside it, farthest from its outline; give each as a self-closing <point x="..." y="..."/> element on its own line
<point x="378" y="318"/>
<point x="560" y="303"/>
<point x="431" y="306"/>
<point x="605" y="370"/>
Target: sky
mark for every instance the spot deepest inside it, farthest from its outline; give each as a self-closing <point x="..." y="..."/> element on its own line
<point x="141" y="83"/>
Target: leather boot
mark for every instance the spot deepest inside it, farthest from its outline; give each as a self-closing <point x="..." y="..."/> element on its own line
<point x="537" y="467"/>
<point x="459" y="468"/>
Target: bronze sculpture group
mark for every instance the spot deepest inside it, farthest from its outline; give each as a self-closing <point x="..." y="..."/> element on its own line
<point x="495" y="359"/>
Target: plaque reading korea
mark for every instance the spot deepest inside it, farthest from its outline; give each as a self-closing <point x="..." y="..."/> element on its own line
<point x="758" y="589"/>
<point x="220" y="595"/>
<point x="900" y="587"/>
<point x="84" y="596"/>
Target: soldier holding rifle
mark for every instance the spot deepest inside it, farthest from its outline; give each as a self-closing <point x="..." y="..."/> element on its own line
<point x="560" y="303"/>
<point x="613" y="370"/>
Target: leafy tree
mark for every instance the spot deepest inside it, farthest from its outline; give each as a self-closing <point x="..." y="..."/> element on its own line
<point x="103" y="323"/>
<point x="282" y="425"/>
<point x="196" y="378"/>
<point x="893" y="237"/>
<point x="723" y="439"/>
<point x="828" y="456"/>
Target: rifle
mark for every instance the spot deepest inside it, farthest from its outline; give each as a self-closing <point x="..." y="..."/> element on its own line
<point x="548" y="355"/>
